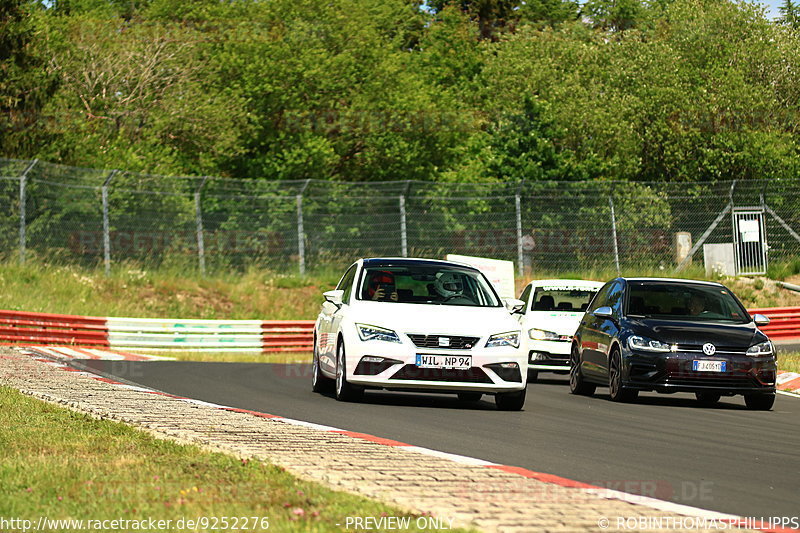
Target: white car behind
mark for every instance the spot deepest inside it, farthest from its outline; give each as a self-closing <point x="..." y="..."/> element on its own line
<point x="419" y="325"/>
<point x="553" y="310"/>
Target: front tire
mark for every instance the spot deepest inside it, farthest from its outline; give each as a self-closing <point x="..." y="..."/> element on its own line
<point x="319" y="382"/>
<point x="510" y="401"/>
<point x="345" y="392"/>
<point x="577" y="383"/>
<point x="617" y="391"/>
<point x="759" y="402"/>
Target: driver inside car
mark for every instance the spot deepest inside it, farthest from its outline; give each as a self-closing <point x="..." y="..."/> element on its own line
<point x="381" y="287"/>
<point x="450" y="287"/>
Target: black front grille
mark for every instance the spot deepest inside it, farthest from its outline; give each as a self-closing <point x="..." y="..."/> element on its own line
<point x="699" y="348"/>
<point x="742" y="381"/>
<point x="413" y="372"/>
<point x="455" y="342"/>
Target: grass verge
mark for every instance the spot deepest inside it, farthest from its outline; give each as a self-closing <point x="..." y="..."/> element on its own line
<point x="66" y="465"/>
<point x="789" y="361"/>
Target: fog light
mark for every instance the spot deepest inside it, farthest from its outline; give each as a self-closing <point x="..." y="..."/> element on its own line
<point x="506" y="371"/>
<point x="371" y="365"/>
<point x="538" y="356"/>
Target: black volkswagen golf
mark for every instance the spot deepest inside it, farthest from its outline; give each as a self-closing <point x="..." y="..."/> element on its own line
<point x="670" y="335"/>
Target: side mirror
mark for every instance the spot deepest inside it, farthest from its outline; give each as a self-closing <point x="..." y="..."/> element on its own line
<point x="604" y="312"/>
<point x="760" y="319"/>
<point x="334" y="297"/>
<point x="513" y="305"/>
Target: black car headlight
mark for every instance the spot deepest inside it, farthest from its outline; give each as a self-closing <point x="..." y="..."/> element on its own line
<point x="761" y="349"/>
<point x="375" y="333"/>
<point x="644" y="344"/>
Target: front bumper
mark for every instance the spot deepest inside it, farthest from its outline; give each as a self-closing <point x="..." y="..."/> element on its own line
<point x="548" y="355"/>
<point x="401" y="373"/>
<point x="672" y="372"/>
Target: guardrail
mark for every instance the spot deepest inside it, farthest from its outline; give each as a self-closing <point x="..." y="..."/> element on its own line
<point x="153" y="334"/>
<point x="265" y="336"/>
<point x="784" y="322"/>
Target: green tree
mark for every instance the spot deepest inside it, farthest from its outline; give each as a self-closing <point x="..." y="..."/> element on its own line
<point x="790" y="13"/>
<point x="26" y="81"/>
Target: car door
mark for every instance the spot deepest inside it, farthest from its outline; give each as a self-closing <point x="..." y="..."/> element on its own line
<point x="608" y="328"/>
<point x="331" y="318"/>
<point x="591" y="334"/>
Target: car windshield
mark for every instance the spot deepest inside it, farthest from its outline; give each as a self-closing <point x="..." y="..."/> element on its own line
<point x="426" y="284"/>
<point x="675" y="301"/>
<point x="574" y="299"/>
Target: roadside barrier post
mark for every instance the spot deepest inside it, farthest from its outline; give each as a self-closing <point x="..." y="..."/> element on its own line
<point x="301" y="237"/>
<point x="23" y="181"/>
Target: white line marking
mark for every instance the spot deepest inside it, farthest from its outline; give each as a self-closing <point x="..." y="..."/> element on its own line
<point x="311" y="425"/>
<point x="461" y="459"/>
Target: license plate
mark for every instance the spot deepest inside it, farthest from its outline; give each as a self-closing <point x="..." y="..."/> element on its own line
<point x="460" y="362"/>
<point x="708" y="366"/>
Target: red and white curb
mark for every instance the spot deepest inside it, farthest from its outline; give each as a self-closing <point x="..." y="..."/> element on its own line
<point x="661" y="505"/>
<point x="788" y="382"/>
<point x="63" y="352"/>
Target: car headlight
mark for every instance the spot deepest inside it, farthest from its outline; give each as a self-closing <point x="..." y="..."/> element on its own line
<point x="635" y="342"/>
<point x="542" y="335"/>
<point x="375" y="333"/>
<point x="760" y="350"/>
<point x="509" y="338"/>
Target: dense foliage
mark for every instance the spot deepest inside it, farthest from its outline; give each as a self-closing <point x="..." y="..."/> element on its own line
<point x="485" y="90"/>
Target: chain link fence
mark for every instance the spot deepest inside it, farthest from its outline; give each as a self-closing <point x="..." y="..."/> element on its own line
<point x="66" y="214"/>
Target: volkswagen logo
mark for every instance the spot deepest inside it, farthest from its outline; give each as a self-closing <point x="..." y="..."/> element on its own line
<point x="709" y="349"/>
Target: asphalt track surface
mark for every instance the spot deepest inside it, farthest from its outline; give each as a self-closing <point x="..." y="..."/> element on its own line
<point x="724" y="458"/>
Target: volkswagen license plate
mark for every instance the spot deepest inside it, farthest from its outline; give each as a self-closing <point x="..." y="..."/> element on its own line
<point x="708" y="366"/>
<point x="460" y="362"/>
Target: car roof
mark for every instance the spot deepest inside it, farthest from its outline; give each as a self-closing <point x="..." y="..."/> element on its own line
<point x="677" y="280"/>
<point x="409" y="261"/>
<point x="567" y="283"/>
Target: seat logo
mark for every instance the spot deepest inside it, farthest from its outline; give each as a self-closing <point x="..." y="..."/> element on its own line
<point x="444" y="342"/>
<point x="709" y="349"/>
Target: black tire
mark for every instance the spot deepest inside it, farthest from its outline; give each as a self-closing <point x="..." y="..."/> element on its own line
<point x="345" y="392"/>
<point x="469" y="396"/>
<point x="510" y="401"/>
<point x="577" y="383"/>
<point x="707" y="398"/>
<point x="319" y="382"/>
<point x="533" y="375"/>
<point x="616" y="390"/>
<point x="759" y="402"/>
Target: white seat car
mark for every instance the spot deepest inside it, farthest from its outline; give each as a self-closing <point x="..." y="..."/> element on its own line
<point x="552" y="313"/>
<point x="419" y="325"/>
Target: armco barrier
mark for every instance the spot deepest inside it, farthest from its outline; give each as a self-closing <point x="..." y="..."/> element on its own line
<point x="154" y="334"/>
<point x="784" y="322"/>
<point x="147" y="334"/>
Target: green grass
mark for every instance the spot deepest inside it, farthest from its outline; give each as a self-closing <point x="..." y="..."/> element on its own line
<point x="165" y="293"/>
<point x="62" y="464"/>
<point x="789" y="361"/>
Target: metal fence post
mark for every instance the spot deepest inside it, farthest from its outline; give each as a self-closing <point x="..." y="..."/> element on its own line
<point x="518" y="202"/>
<point x="106" y="231"/>
<point x="23" y="182"/>
<point x="301" y="242"/>
<point x="614" y="233"/>
<point x="198" y="213"/>
<point x="403" y="234"/>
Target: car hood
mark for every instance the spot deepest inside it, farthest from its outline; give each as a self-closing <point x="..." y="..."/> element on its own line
<point x="559" y="322"/>
<point x="685" y="332"/>
<point x="435" y="319"/>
